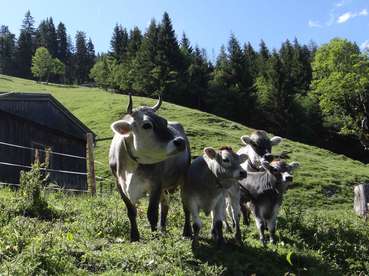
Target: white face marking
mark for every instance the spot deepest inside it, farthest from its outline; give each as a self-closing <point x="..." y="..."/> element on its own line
<point x="142" y="140"/>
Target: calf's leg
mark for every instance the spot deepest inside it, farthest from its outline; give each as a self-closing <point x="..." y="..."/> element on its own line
<point x="261" y="227"/>
<point x="196" y="226"/>
<point x="218" y="218"/>
<point x="187" y="230"/>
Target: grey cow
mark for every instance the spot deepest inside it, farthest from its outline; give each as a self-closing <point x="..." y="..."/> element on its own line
<point x="147" y="155"/>
<point x="208" y="179"/>
<point x="264" y="193"/>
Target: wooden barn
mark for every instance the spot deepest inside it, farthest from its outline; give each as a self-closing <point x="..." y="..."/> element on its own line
<point x="30" y="121"/>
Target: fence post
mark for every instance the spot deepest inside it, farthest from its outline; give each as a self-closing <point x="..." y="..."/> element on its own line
<point x="91" y="178"/>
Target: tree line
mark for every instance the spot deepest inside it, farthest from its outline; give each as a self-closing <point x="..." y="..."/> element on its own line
<point x="318" y="95"/>
<point x="58" y="60"/>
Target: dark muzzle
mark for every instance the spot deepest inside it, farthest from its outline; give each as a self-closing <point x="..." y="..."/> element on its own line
<point x="179" y="143"/>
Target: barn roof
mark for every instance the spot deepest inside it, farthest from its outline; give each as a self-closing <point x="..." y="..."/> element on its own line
<point x="43" y="109"/>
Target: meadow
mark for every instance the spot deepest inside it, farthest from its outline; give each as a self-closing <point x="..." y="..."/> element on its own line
<point x="317" y="234"/>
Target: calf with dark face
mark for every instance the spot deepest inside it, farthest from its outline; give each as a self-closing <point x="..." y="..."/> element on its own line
<point x="147" y="155"/>
<point x="263" y="191"/>
<point x="257" y="146"/>
<point x="208" y="179"/>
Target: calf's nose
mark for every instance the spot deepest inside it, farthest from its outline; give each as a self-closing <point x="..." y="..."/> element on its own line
<point x="289" y="178"/>
<point x="243" y="174"/>
<point x="268" y="157"/>
<point x="179" y="143"/>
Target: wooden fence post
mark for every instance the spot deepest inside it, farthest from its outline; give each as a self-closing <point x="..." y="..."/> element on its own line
<point x="361" y="200"/>
<point x="91" y="178"/>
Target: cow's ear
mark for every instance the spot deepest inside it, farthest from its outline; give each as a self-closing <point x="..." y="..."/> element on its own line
<point x="243" y="157"/>
<point x="294" y="165"/>
<point x="246" y="140"/>
<point x="121" y="127"/>
<point x="276" y="140"/>
<point x="210" y="152"/>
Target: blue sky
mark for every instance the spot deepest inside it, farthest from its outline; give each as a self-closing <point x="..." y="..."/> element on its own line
<point x="207" y="23"/>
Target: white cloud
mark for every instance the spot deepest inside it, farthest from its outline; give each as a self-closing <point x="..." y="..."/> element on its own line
<point x="340" y="4"/>
<point x="349" y="15"/>
<point x="365" y="45"/>
<point x="364" y="12"/>
<point x="314" y="24"/>
<point x="345" y="17"/>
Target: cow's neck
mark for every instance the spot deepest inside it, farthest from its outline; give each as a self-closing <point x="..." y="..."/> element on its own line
<point x="131" y="161"/>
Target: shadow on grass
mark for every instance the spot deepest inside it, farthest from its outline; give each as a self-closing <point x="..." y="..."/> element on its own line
<point x="340" y="241"/>
<point x="247" y="260"/>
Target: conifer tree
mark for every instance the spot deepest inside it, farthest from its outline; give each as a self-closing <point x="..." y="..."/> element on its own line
<point x="119" y="43"/>
<point x="62" y="43"/>
<point x="144" y="82"/>
<point x="25" y="47"/>
<point x="81" y="58"/>
<point x="7" y="50"/>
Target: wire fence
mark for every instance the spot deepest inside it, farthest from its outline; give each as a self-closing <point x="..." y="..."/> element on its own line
<point x="22" y="166"/>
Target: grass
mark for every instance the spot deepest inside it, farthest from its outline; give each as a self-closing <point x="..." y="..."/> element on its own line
<point x="90" y="235"/>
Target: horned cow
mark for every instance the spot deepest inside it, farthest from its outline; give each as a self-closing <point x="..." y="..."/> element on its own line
<point x="147" y="155"/>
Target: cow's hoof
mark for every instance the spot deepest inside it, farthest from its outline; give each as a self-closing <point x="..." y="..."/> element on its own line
<point x="272" y="241"/>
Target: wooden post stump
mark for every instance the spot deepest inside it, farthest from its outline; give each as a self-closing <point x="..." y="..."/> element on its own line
<point x="361" y="200"/>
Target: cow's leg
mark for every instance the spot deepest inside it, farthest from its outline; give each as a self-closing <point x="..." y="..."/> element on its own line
<point x="164" y="208"/>
<point x="153" y="209"/>
<point x="261" y="227"/>
<point x="132" y="213"/>
<point x="218" y="218"/>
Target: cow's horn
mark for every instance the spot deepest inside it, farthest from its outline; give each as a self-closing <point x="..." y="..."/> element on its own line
<point x="158" y="104"/>
<point x="129" y="108"/>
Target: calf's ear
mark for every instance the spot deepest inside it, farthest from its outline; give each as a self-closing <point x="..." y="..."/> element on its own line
<point x="246" y="140"/>
<point x="276" y="140"/>
<point x="294" y="165"/>
<point x="243" y="157"/>
<point x="210" y="152"/>
<point x="121" y="127"/>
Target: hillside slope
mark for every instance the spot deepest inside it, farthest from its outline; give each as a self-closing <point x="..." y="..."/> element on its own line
<point x="322" y="172"/>
<point x="317" y="223"/>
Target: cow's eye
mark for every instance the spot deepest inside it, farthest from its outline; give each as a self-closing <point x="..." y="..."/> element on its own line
<point x="225" y="160"/>
<point x="146" y="126"/>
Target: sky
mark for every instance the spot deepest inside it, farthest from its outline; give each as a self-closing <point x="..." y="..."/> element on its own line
<point x="207" y="23"/>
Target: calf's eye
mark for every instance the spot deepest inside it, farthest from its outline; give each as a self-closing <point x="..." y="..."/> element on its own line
<point x="146" y="126"/>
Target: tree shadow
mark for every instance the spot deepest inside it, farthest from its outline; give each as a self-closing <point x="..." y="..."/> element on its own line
<point x="248" y="260"/>
<point x="340" y="242"/>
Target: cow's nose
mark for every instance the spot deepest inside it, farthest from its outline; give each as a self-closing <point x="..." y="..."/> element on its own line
<point x="243" y="174"/>
<point x="289" y="178"/>
<point x="268" y="157"/>
<point x="179" y="143"/>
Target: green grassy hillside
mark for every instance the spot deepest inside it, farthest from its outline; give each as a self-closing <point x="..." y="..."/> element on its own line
<point x="90" y="235"/>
